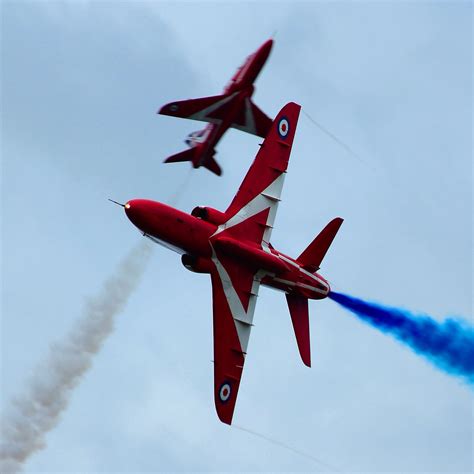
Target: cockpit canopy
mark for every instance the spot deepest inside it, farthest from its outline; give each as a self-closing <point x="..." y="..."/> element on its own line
<point x="196" y="137"/>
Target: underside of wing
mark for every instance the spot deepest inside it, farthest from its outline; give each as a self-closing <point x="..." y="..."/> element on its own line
<point x="243" y="115"/>
<point x="205" y="109"/>
<point x="271" y="162"/>
<point x="252" y="120"/>
<point x="234" y="293"/>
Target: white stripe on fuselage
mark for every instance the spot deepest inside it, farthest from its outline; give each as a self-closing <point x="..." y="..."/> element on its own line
<point x="302" y="270"/>
<point x="300" y="285"/>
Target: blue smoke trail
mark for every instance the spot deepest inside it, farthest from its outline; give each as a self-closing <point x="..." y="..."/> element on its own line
<point x="449" y="345"/>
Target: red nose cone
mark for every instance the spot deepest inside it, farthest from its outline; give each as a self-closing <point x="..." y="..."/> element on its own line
<point x="138" y="211"/>
<point x="265" y="49"/>
<point x="130" y="209"/>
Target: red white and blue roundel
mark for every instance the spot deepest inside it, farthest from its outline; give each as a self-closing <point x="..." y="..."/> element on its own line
<point x="224" y="392"/>
<point x="283" y="127"/>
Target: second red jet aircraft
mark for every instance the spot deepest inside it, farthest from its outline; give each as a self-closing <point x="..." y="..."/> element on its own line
<point x="233" y="109"/>
<point x="234" y="248"/>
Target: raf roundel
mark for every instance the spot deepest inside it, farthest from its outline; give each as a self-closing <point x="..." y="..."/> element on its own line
<point x="283" y="127"/>
<point x="224" y="392"/>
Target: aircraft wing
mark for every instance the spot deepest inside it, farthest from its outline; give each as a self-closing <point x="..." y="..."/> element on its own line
<point x="252" y="120"/>
<point x="215" y="109"/>
<point x="234" y="294"/>
<point x="235" y="286"/>
<point x="260" y="191"/>
<point x="205" y="109"/>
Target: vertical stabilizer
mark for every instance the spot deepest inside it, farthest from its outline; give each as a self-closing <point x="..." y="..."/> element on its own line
<point x="312" y="257"/>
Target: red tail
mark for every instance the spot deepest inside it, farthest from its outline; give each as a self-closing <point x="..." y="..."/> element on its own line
<point x="312" y="257"/>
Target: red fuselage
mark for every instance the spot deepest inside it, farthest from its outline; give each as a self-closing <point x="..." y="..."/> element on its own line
<point x="246" y="75"/>
<point x="195" y="238"/>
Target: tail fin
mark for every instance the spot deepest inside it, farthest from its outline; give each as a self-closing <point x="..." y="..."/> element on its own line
<point x="298" y="306"/>
<point x="312" y="257"/>
<point x="186" y="155"/>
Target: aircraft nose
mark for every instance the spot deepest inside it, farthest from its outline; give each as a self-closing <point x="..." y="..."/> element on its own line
<point x="127" y="207"/>
<point x="134" y="210"/>
<point x="144" y="214"/>
<point x="266" y="47"/>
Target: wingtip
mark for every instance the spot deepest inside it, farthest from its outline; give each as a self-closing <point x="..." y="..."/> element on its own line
<point x="306" y="356"/>
<point x="290" y="107"/>
<point x="294" y="104"/>
<point x="225" y="416"/>
<point x="225" y="421"/>
<point x="167" y="109"/>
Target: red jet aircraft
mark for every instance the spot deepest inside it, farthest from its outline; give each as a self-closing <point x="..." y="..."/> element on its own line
<point x="234" y="248"/>
<point x="233" y="109"/>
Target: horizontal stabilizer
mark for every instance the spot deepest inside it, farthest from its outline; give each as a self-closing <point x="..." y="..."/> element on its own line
<point x="298" y="306"/>
<point x="312" y="257"/>
<point x="211" y="165"/>
<point x="186" y="155"/>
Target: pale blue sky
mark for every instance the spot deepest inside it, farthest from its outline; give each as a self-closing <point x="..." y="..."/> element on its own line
<point x="81" y="82"/>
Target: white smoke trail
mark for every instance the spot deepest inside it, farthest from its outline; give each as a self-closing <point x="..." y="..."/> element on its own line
<point x="38" y="410"/>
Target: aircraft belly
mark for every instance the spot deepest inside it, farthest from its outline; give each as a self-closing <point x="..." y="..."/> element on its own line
<point x="165" y="244"/>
